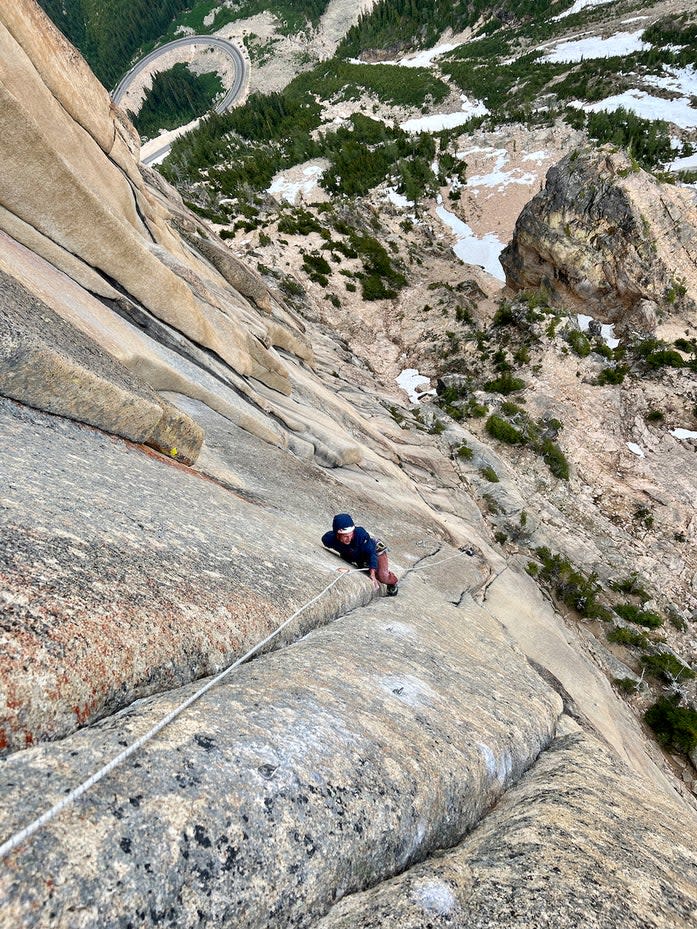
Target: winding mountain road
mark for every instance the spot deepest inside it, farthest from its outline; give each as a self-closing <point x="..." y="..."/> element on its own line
<point x="233" y="52"/>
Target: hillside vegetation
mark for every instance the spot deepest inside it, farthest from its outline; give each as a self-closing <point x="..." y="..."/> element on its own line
<point x="176" y="97"/>
<point x="111" y="35"/>
<point x="408" y="23"/>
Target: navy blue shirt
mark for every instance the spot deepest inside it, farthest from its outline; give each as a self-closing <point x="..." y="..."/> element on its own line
<point x="360" y="550"/>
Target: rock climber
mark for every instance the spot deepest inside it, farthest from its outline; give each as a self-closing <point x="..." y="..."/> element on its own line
<point x="354" y="544"/>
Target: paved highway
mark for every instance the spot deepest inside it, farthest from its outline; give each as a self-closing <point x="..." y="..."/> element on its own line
<point x="233" y="52"/>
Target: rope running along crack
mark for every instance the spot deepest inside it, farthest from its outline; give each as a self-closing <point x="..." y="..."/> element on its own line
<point x="23" y="834"/>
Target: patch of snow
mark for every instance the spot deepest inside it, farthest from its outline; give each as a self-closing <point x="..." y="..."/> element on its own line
<point x="680" y="80"/>
<point x="417" y="60"/>
<point x="635" y="449"/>
<point x="578" y="6"/>
<point x="607" y="334"/>
<point x="438" y="121"/>
<point x="622" y="43"/>
<point x="290" y="190"/>
<point x="397" y="199"/>
<point x="415" y="384"/>
<point x="683" y="164"/>
<point x="435" y="897"/>
<point x="537" y="156"/>
<point x="678" y="111"/>
<point x="683" y="434"/>
<point x="607" y="331"/>
<point x="471" y="250"/>
<point x="498" y="178"/>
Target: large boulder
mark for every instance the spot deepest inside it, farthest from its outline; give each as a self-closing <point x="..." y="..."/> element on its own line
<point x="609" y="240"/>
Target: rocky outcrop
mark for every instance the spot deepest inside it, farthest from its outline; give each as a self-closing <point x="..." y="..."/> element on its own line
<point x="609" y="240"/>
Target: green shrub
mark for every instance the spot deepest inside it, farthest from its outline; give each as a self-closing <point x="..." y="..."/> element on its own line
<point x="666" y="357"/>
<point x="579" y="343"/>
<point x="505" y="383"/>
<point x="489" y="473"/>
<point x="632" y="614"/>
<point x="299" y="222"/>
<point x="631" y="585"/>
<point x="555" y="459"/>
<point x="676" y="620"/>
<point x="623" y="636"/>
<point x="510" y="408"/>
<point x="437" y="427"/>
<point x="667" y="667"/>
<point x="316" y="263"/>
<point x="687" y="347"/>
<point x="500" y="429"/>
<point x="396" y="415"/>
<point x="491" y="504"/>
<point x="373" y="288"/>
<point x="521" y="355"/>
<point x="654" y="416"/>
<point x="612" y="375"/>
<point x="572" y="586"/>
<point x="657" y="355"/>
<point x="504" y="315"/>
<point x="602" y="348"/>
<point x="476" y="410"/>
<point x="626" y="685"/>
<point x="675" y="726"/>
<point x="465" y="452"/>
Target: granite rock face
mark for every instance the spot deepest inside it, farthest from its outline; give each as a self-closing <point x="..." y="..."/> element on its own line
<point x="608" y="239"/>
<point x="72" y="193"/>
<point x="314" y="772"/>
<point x="48" y="364"/>
<point x="384" y="762"/>
<point x="577" y="842"/>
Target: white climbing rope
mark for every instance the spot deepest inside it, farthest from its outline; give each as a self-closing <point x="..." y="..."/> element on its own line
<point x="19" y="837"/>
<point x="23" y="834"/>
